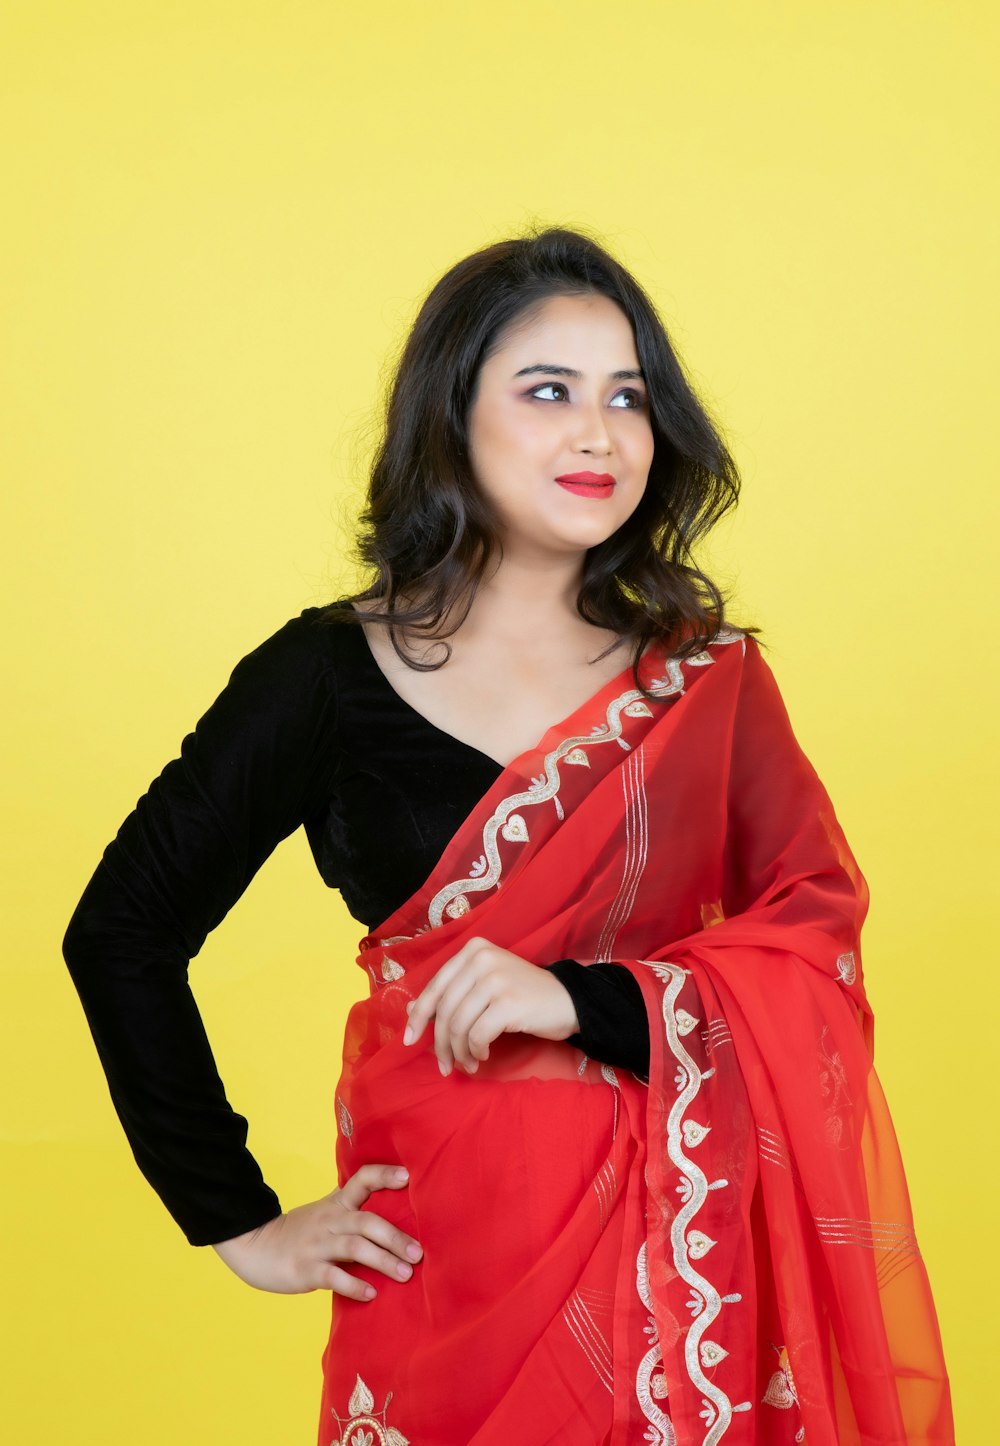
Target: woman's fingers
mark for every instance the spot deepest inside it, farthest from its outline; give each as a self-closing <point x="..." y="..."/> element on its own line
<point x="448" y="999"/>
<point x="465" y="999"/>
<point x="366" y="1179"/>
<point x="299" y="1250"/>
<point x="359" y="1247"/>
<point x="488" y="1027"/>
<point x="468" y="1017"/>
<point x="331" y="1277"/>
<point x="429" y="999"/>
<point x="378" y="1230"/>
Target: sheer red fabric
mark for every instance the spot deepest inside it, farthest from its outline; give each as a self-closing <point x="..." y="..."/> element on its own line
<point x="724" y="1252"/>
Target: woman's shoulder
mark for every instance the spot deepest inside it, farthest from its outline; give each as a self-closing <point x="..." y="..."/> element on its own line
<point x="299" y="663"/>
<point x="312" y="635"/>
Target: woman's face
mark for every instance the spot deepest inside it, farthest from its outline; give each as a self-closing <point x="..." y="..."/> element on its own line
<point x="562" y="394"/>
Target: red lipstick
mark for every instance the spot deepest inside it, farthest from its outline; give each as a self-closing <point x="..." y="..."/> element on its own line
<point x="588" y="484"/>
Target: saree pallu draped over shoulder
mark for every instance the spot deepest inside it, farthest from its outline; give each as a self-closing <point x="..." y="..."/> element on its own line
<point x="724" y="1252"/>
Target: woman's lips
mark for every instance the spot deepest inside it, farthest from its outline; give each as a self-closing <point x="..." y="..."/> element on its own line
<point x="588" y="484"/>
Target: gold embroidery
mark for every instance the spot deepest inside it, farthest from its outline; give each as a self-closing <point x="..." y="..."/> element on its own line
<point x="452" y="901"/>
<point x="847" y="967"/>
<point x="704" y="1302"/>
<point x="344" y="1119"/>
<point x="781" y="1388"/>
<point x="363" y="1428"/>
<point x="833" y="1087"/>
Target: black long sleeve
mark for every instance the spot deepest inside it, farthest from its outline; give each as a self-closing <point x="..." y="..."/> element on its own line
<point x="269" y="755"/>
<point x="177" y="865"/>
<point x="608" y="1000"/>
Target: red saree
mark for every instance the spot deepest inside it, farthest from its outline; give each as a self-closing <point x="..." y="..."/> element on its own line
<point x="723" y="1253"/>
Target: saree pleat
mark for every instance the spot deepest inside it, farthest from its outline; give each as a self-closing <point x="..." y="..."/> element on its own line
<point x="721" y="1252"/>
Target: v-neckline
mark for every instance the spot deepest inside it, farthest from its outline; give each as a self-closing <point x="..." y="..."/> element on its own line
<point x="499" y="767"/>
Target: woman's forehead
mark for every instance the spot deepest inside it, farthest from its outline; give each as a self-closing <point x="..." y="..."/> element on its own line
<point x="572" y="328"/>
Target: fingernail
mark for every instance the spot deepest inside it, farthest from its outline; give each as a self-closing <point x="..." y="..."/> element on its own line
<point x="473" y="1066"/>
<point x="402" y="1174"/>
<point x="407" y="1035"/>
<point x="413" y="1251"/>
<point x="369" y="1292"/>
<point x="443" y="1068"/>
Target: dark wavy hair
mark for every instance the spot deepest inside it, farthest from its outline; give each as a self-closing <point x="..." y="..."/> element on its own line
<point x="428" y="532"/>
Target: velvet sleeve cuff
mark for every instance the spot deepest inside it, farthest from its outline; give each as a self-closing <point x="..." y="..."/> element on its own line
<point x="609" y="1003"/>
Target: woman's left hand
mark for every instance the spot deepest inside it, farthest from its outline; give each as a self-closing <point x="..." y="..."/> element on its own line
<point x="484" y="991"/>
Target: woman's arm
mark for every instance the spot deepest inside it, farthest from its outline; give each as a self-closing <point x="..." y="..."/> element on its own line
<point x="247" y="776"/>
<point x="614" y="1025"/>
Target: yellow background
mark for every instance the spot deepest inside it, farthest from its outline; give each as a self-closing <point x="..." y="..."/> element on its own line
<point x="221" y="218"/>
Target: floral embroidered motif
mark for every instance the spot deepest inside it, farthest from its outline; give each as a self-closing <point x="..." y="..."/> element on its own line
<point x="833" y="1086"/>
<point x="650" y="1381"/>
<point x="363" y="1428"/>
<point x="781" y="1391"/>
<point x="704" y="1302"/>
<point x="846" y="967"/>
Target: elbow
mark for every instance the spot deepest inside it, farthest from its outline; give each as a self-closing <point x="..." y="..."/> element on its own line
<point x="94" y="925"/>
<point x="80" y="940"/>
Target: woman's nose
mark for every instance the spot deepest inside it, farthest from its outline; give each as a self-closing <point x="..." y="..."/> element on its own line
<point x="591" y="430"/>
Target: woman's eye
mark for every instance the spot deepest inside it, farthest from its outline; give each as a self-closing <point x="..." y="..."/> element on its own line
<point x="636" y="401"/>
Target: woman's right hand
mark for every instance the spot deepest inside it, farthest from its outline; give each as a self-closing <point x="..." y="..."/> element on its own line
<point x="298" y="1251"/>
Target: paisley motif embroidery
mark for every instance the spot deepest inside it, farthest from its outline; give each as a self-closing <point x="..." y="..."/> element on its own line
<point x="344" y="1119"/>
<point x="363" y="1427"/>
<point x="780" y="1391"/>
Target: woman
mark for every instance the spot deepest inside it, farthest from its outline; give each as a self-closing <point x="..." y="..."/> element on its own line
<point x="650" y="1190"/>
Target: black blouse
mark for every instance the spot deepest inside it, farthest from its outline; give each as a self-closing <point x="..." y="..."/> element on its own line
<point x="308" y="731"/>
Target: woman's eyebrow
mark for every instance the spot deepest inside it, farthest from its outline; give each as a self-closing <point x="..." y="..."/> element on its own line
<point x="554" y="371"/>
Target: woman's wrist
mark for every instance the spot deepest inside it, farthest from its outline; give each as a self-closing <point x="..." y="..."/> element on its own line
<point x="569" y="1022"/>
